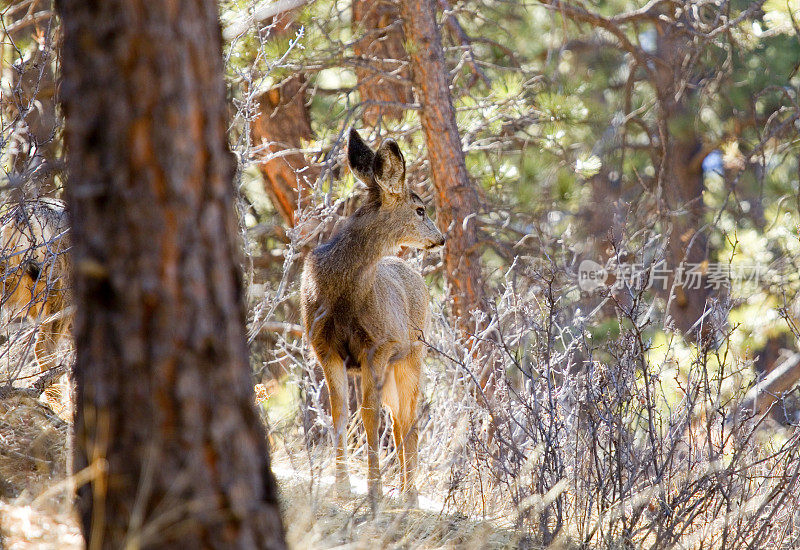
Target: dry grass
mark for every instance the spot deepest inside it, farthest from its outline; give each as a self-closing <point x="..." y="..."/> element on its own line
<point x="488" y="478"/>
<point x="611" y="442"/>
<point x="35" y="511"/>
<point x="317" y="519"/>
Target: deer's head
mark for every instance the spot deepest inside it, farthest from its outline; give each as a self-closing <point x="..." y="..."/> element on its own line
<point x="399" y="210"/>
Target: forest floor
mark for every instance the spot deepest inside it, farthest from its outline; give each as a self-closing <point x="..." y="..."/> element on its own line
<point x="317" y="518"/>
<point x="35" y="511"/>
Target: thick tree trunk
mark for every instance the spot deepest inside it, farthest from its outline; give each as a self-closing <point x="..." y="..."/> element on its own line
<point x="165" y="417"/>
<point x="382" y="74"/>
<point x="456" y="197"/>
<point x="681" y="178"/>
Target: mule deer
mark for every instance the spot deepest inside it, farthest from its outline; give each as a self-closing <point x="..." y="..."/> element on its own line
<point x="34" y="274"/>
<point x="367" y="310"/>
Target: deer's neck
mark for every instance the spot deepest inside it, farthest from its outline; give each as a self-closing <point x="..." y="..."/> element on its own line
<point x="352" y="256"/>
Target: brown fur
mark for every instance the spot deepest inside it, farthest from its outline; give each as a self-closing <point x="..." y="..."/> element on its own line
<point x="34" y="269"/>
<point x="366" y="309"/>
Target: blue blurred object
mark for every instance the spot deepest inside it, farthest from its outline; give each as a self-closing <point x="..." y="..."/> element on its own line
<point x="712" y="164"/>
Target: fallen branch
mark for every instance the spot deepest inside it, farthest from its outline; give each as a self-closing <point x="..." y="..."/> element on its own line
<point x="261" y="13"/>
<point x="773" y="387"/>
<point x="36" y="389"/>
<point x="49" y="378"/>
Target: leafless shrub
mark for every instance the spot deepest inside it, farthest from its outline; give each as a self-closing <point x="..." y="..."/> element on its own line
<point x="588" y="438"/>
<point x="34" y="301"/>
<point x="602" y="428"/>
<point x="617" y="444"/>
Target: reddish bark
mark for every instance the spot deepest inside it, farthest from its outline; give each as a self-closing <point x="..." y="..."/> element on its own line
<point x="284" y="121"/>
<point x="283" y="124"/>
<point x="382" y="75"/>
<point x="165" y="416"/>
<point x="455" y="196"/>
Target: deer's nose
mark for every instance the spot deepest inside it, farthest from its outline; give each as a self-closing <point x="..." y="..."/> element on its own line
<point x="437" y="243"/>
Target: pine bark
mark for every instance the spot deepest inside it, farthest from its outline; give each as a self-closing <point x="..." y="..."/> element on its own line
<point x="382" y="73"/>
<point x="284" y="121"/>
<point x="455" y="196"/>
<point x="681" y="176"/>
<point x="282" y="125"/>
<point x="165" y="417"/>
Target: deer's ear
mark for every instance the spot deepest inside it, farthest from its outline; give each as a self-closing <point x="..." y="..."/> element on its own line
<point x="360" y="157"/>
<point x="389" y="167"/>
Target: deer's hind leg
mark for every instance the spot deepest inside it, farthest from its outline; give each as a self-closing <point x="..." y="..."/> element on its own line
<point x="374" y="371"/>
<point x="336" y="378"/>
<point x="403" y="404"/>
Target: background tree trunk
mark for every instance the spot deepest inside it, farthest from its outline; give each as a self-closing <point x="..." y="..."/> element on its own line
<point x="681" y="174"/>
<point x="165" y="414"/>
<point x="456" y="197"/>
<point x="32" y="105"/>
<point x="282" y="125"/>
<point x="284" y="121"/>
<point x="382" y="75"/>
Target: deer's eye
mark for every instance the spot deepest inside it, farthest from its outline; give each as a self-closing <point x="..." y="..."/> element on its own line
<point x="421" y="212"/>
